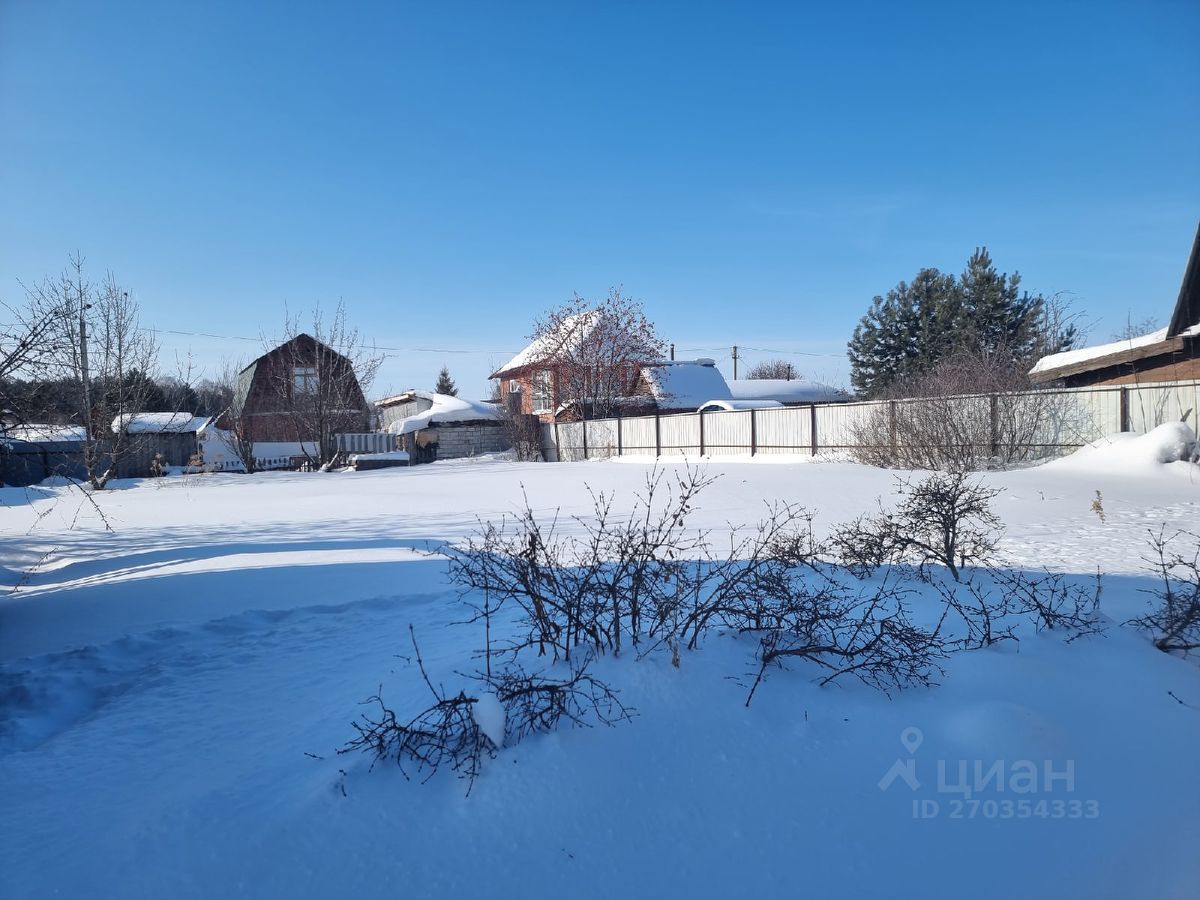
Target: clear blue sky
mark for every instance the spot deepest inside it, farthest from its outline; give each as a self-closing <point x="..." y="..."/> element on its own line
<point x="754" y="172"/>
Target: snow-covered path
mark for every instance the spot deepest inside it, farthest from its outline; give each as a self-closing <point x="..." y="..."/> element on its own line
<point x="162" y="684"/>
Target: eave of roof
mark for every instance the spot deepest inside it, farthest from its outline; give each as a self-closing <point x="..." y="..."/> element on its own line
<point x="1129" y="355"/>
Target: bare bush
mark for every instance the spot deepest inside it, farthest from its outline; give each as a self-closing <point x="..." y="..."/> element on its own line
<point x="972" y="411"/>
<point x="534" y="704"/>
<point x="1174" y="622"/>
<point x="945" y="518"/>
<point x="867" y="635"/>
<point x="1055" y="603"/>
<point x="447" y="733"/>
<point x="647" y="580"/>
<point x="984" y="613"/>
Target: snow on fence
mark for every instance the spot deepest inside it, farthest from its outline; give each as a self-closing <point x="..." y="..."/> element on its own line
<point x="1049" y="422"/>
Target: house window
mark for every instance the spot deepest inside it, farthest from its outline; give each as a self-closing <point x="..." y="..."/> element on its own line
<point x="304" y="379"/>
<point x="543" y="400"/>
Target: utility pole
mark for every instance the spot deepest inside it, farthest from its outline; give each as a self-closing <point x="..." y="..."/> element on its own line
<point x="735" y="359"/>
<point x="83" y="365"/>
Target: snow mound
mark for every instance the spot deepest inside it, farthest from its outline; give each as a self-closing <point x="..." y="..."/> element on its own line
<point x="1130" y="452"/>
<point x="489" y="715"/>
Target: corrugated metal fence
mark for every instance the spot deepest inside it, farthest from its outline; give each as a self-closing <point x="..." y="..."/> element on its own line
<point x="1066" y="418"/>
<point x="367" y="442"/>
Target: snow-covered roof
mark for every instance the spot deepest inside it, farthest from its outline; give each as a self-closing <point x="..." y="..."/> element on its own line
<point x="1086" y="354"/>
<point x="714" y="405"/>
<point x="158" y="423"/>
<point x="572" y="331"/>
<point x="685" y="384"/>
<point x="44" y="434"/>
<point x="795" y="390"/>
<point x="1056" y="361"/>
<point x="445" y="409"/>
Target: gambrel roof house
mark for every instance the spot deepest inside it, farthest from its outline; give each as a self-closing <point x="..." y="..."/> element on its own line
<point x="1169" y="354"/>
<point x="275" y="392"/>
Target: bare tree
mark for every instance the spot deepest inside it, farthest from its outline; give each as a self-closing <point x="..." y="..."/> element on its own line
<point x="321" y="387"/>
<point x="28" y="342"/>
<point x="972" y="411"/>
<point x="233" y="426"/>
<point x="779" y="369"/>
<point x="1132" y="329"/>
<point x="594" y="351"/>
<point x="100" y="347"/>
<point x="522" y="429"/>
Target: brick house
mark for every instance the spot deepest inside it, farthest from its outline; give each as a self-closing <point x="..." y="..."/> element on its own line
<point x="532" y="382"/>
<point x="1169" y="354"/>
<point x="301" y="392"/>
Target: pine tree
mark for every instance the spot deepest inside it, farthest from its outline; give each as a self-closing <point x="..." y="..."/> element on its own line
<point x="995" y="315"/>
<point x="918" y="325"/>
<point x="445" y="384"/>
<point x="904" y="332"/>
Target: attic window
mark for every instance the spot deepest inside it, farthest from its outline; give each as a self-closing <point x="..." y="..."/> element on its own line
<point x="304" y="379"/>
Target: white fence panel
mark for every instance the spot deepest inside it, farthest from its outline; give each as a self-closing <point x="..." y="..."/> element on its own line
<point x="1071" y="418"/>
<point x="838" y="424"/>
<point x="1151" y="405"/>
<point x="570" y="441"/>
<point x="787" y="430"/>
<point x="680" y="434"/>
<point x="637" y="437"/>
<point x="727" y="433"/>
<point x="601" y="438"/>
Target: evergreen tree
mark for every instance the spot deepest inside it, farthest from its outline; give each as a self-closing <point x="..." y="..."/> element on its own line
<point x="904" y="332"/>
<point x="918" y="325"/>
<point x="445" y="384"/>
<point x="995" y="315"/>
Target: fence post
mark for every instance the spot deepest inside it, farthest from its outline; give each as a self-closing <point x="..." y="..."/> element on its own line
<point x="753" y="433"/>
<point x="657" y="435"/>
<point x="620" y="443"/>
<point x="812" y="427"/>
<point x="1124" y="408"/>
<point x="557" y="446"/>
<point x="994" y="423"/>
<point x="701" y="415"/>
<point x="892" y="426"/>
<point x="585" y="449"/>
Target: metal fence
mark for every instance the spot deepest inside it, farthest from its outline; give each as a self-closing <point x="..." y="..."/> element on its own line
<point x="368" y="442"/>
<point x="1067" y="419"/>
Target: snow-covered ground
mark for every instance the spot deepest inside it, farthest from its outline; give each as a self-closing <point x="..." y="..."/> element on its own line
<point x="162" y="684"/>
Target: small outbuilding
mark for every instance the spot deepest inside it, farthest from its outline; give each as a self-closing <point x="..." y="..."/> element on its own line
<point x="157" y="440"/>
<point x="433" y="426"/>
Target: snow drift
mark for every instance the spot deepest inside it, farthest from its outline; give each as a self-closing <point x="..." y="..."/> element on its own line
<point x="1130" y="452"/>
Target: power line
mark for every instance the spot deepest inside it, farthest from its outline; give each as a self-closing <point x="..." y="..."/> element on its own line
<point x="238" y="337"/>
<point x="761" y="350"/>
